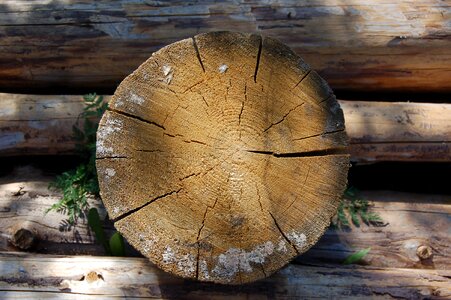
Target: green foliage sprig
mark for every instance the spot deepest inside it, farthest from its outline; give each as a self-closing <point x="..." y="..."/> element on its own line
<point x="78" y="184"/>
<point x="356" y="257"/>
<point x="356" y="210"/>
<point x="115" y="245"/>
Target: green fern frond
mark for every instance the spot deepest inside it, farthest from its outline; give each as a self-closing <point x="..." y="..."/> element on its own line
<point x="355" y="210"/>
<point x="80" y="183"/>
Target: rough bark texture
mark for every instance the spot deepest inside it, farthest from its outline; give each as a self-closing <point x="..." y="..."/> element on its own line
<point x="75" y="277"/>
<point x="222" y="157"/>
<point x="378" y="131"/>
<point x="87" y="45"/>
<point x="411" y="221"/>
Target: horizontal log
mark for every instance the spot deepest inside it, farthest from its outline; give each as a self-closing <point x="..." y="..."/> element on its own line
<point x="398" y="131"/>
<point x="378" y="131"/>
<point x="358" y="45"/>
<point x="69" y="277"/>
<point x="409" y="218"/>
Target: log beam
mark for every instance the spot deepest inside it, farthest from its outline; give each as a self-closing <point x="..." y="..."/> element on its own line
<point x="69" y="277"/>
<point x="378" y="131"/>
<point x="408" y="217"/>
<point x="83" y="46"/>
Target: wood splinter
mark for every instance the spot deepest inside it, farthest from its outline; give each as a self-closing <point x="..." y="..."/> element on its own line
<point x="222" y="157"/>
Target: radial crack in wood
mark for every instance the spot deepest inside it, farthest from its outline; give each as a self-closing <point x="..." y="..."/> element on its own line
<point x="210" y="127"/>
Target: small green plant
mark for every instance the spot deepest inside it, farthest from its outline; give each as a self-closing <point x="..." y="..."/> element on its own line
<point x="78" y="184"/>
<point x="115" y="245"/>
<point x="356" y="257"/>
<point x="355" y="209"/>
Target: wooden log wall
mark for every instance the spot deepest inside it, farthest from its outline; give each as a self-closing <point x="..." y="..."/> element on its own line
<point x="410" y="221"/>
<point x="83" y="45"/>
<point x="378" y="131"/>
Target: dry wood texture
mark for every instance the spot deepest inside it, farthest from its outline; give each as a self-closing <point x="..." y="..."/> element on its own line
<point x="355" y="45"/>
<point x="412" y="221"/>
<point x="222" y="157"/>
<point x="32" y="124"/>
<point x="24" y="198"/>
<point x="75" y="277"/>
<point x="378" y="131"/>
<point x="398" y="131"/>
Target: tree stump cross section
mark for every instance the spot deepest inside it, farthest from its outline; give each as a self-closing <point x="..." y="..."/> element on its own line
<point x="222" y="157"/>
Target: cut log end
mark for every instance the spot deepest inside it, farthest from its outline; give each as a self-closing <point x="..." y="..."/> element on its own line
<point x="222" y="157"/>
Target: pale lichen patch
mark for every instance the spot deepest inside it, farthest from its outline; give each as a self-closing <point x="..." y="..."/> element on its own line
<point x="116" y="210"/>
<point x="222" y="68"/>
<point x="298" y="239"/>
<point x="185" y="263"/>
<point x="111" y="126"/>
<point x="203" y="270"/>
<point x="136" y="99"/>
<point x="237" y="260"/>
<point x="281" y="246"/>
<point x="168" y="74"/>
<point x="110" y="172"/>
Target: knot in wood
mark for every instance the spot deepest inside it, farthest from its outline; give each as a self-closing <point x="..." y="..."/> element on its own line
<point x="424" y="252"/>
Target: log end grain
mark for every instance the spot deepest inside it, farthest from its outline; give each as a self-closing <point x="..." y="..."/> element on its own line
<point x="222" y="157"/>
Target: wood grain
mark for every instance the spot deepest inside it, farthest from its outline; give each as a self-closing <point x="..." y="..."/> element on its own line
<point x="398" y="131"/>
<point x="79" y="45"/>
<point x="412" y="220"/>
<point x="70" y="277"/>
<point x="378" y="131"/>
<point x="202" y="149"/>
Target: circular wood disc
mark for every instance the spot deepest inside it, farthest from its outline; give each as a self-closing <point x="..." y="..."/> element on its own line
<point x="222" y="157"/>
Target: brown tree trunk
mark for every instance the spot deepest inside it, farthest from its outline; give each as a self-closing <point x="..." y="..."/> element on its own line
<point x="222" y="157"/>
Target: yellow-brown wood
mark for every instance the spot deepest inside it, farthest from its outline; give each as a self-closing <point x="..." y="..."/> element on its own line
<point x="363" y="45"/>
<point x="222" y="158"/>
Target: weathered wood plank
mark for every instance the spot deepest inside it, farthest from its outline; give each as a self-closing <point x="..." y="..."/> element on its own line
<point x="65" y="277"/>
<point x="24" y="198"/>
<point x="398" y="131"/>
<point x="80" y="44"/>
<point x="378" y="131"/>
<point x="413" y="220"/>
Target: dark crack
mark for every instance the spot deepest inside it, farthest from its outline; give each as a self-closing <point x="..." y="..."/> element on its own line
<point x="191" y="86"/>
<point x="205" y="101"/>
<point x="259" y="53"/>
<point x="111" y="157"/>
<point x="200" y="232"/>
<point x="136" y="118"/>
<point x="198" y="54"/>
<point x="172" y="135"/>
<point x="283" y="234"/>
<point x="144" y="205"/>
<point x="148" y="150"/>
<point x="318" y="134"/>
<point x="302" y="79"/>
<point x="284" y="117"/>
<point x="259" y="198"/>
<point x="331" y="151"/>
<point x="196" y="141"/>
<point x="326" y="99"/>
